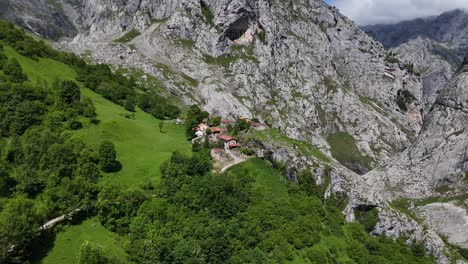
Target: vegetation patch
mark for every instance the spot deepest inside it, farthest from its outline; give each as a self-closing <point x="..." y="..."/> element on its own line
<point x="186" y="43"/>
<point x="68" y="242"/>
<point x="161" y="20"/>
<point x="368" y="218"/>
<point x="392" y="57"/>
<point x="330" y="85"/>
<point x="251" y="213"/>
<point x="403" y="206"/>
<point x="403" y="99"/>
<point x="207" y="13"/>
<point x="344" y="149"/>
<point x="410" y="68"/>
<point x="129" y="36"/>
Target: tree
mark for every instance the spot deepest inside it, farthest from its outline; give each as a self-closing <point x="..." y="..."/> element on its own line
<point x="161" y="126"/>
<point x="130" y="104"/>
<point x="69" y="92"/>
<point x="117" y="205"/>
<point x="6" y="182"/>
<point x="14" y="72"/>
<point x="3" y="58"/>
<point x="91" y="253"/>
<point x="19" y="225"/>
<point x="107" y="157"/>
<point x="88" y="109"/>
<point x="215" y="121"/>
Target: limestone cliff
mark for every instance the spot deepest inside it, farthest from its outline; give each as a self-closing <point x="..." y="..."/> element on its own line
<point x="309" y="72"/>
<point x="301" y="66"/>
<point x="434" y="45"/>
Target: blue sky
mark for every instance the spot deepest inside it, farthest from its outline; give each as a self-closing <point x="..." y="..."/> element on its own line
<point x="366" y="12"/>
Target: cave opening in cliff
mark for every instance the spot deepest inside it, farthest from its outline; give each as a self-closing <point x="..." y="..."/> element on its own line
<point x="238" y="28"/>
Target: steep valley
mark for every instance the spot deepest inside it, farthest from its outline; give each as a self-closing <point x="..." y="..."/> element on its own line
<point x="384" y="124"/>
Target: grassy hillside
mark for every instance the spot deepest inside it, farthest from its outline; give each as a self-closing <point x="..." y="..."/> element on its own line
<point x="68" y="242"/>
<point x="53" y="161"/>
<point x="141" y="148"/>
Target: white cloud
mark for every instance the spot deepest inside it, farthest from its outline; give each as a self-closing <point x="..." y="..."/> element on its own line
<point x="366" y="12"/>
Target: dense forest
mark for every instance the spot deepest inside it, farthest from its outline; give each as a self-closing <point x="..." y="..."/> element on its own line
<point x="249" y="214"/>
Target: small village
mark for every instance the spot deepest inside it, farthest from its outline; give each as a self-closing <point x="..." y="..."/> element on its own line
<point x="226" y="150"/>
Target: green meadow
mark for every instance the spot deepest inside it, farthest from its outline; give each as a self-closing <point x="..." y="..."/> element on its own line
<point x="141" y="149"/>
<point x="68" y="242"/>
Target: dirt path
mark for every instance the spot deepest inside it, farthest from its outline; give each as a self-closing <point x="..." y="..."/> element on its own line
<point x="237" y="160"/>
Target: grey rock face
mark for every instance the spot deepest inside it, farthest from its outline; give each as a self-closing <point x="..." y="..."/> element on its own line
<point x="438" y="157"/>
<point x="44" y="18"/>
<point x="308" y="71"/>
<point x="447" y="219"/>
<point x="435" y="45"/>
<point x="433" y="61"/>
<point x="450" y="27"/>
<point x="302" y="65"/>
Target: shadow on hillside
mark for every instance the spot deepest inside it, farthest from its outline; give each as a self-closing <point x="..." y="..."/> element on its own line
<point x="41" y="246"/>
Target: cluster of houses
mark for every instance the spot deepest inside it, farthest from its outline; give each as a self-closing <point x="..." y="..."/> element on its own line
<point x="215" y="136"/>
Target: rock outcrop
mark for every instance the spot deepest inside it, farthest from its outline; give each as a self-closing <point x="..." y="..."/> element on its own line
<point x="44" y="18"/>
<point x="311" y="73"/>
<point x="435" y="46"/>
<point x="302" y="66"/>
<point x="439" y="156"/>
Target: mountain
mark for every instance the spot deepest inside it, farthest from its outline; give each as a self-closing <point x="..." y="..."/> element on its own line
<point x="434" y="45"/>
<point x="259" y="59"/>
<point x="48" y="19"/>
<point x="352" y="113"/>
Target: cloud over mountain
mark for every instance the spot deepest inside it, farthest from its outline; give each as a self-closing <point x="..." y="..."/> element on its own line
<point x="366" y="12"/>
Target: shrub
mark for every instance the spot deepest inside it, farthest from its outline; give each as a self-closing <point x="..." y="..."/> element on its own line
<point x="207" y="13"/>
<point x="69" y="92"/>
<point x="107" y="157"/>
<point x="247" y="151"/>
<point x="404" y="97"/>
<point x="368" y="218"/>
<point x="14" y="72"/>
<point x="391" y="57"/>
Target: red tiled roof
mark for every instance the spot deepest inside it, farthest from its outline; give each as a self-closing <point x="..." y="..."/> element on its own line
<point x="225" y="137"/>
<point x="215" y="129"/>
<point x="226" y="121"/>
<point x="217" y="150"/>
<point x="236" y="145"/>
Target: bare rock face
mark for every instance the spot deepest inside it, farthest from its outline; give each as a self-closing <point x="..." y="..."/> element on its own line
<point x="447" y="219"/>
<point x="309" y="72"/>
<point x="433" y="62"/>
<point x="44" y="18"/>
<point x="302" y="66"/>
<point x="438" y="158"/>
<point x="434" y="45"/>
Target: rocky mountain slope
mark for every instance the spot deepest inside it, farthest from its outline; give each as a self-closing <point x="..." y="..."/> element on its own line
<point x="44" y="18"/>
<point x="439" y="157"/>
<point x="307" y="71"/>
<point x="435" y="45"/>
<point x="303" y="67"/>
